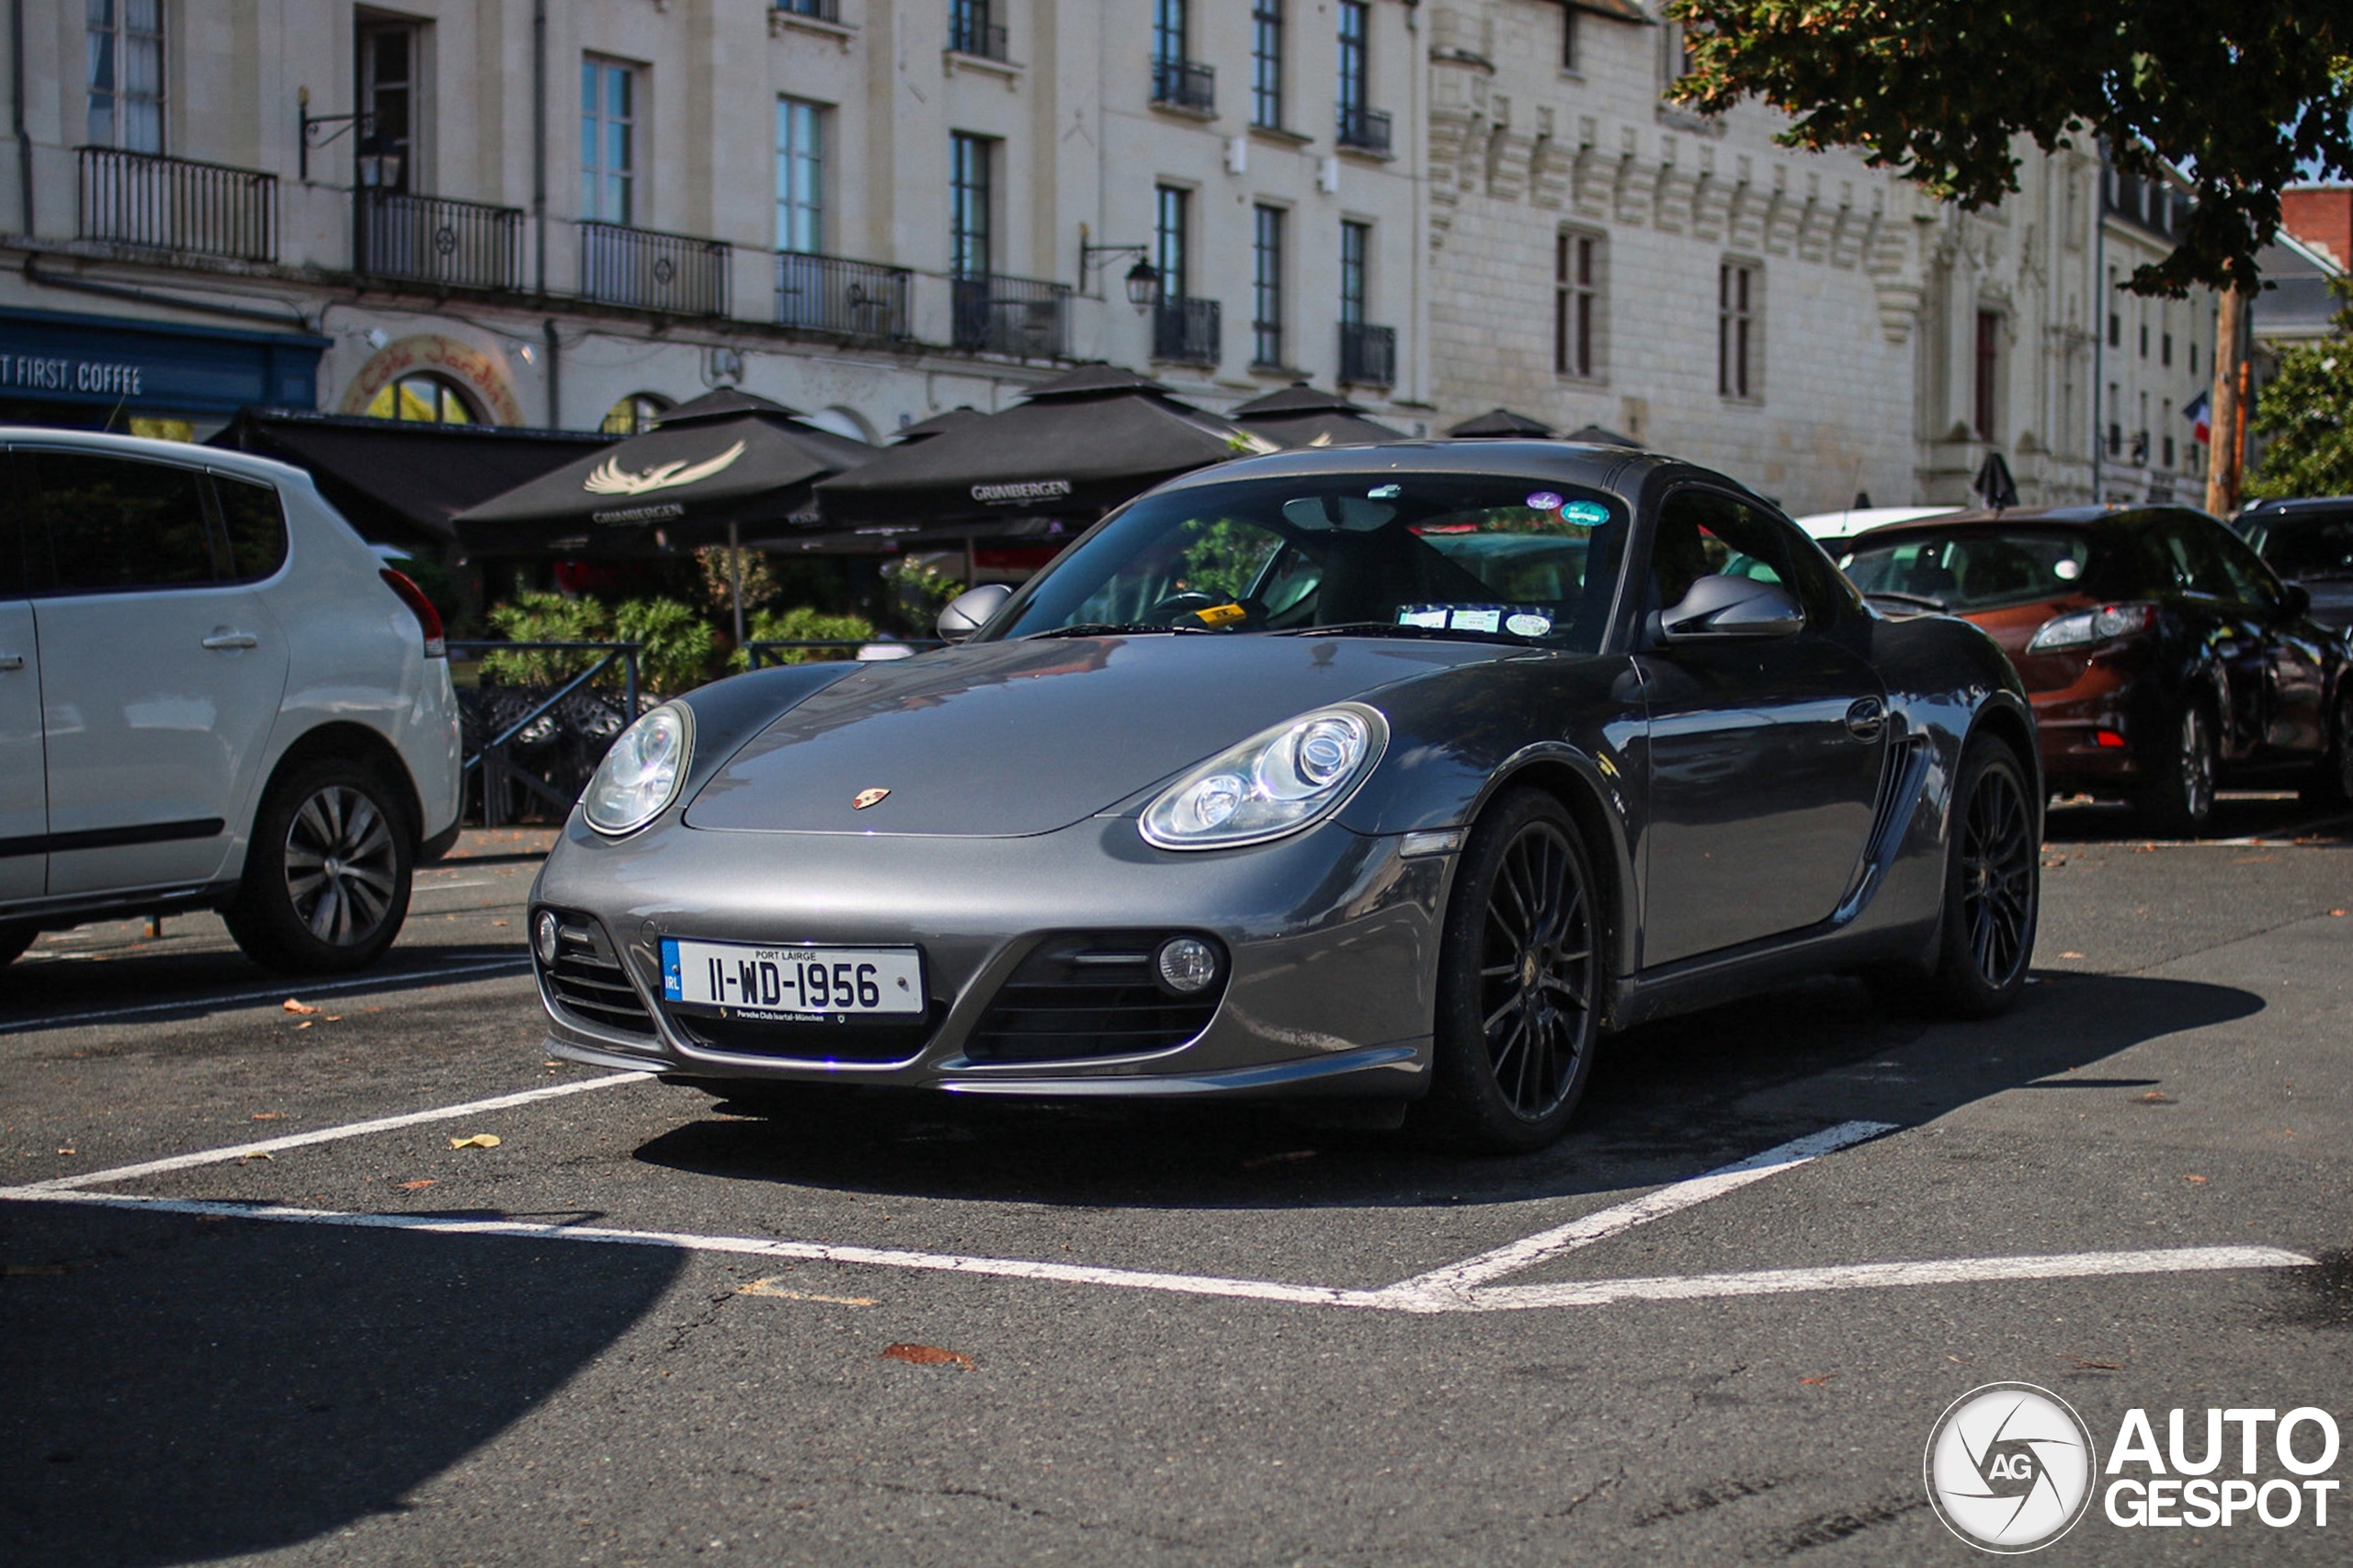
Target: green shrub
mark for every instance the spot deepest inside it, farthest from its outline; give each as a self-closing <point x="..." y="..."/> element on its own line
<point x="680" y="646"/>
<point x="803" y="623"/>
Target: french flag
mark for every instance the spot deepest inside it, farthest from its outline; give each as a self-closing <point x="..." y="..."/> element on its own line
<point x="2200" y="420"/>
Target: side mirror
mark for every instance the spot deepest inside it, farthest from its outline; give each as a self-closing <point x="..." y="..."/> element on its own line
<point x="1730" y="607"/>
<point x="970" y="610"/>
<point x="2296" y="600"/>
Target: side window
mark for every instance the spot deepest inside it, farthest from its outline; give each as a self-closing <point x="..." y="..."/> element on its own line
<point x="12" y="529"/>
<point x="2251" y="581"/>
<point x="256" y="523"/>
<point x="2198" y="564"/>
<point x="1703" y="531"/>
<point x="116" y="523"/>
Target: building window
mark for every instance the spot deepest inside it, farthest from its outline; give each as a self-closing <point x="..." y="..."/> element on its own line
<point x="973" y="29"/>
<point x="2145" y="340"/>
<point x="2193" y="355"/>
<point x="1577" y="293"/>
<point x="1172" y="209"/>
<point x="967" y="191"/>
<point x="1739" y="292"/>
<point x="1988" y="374"/>
<point x="2115" y="425"/>
<point x="799" y="176"/>
<point x="1267" y="287"/>
<point x="608" y="138"/>
<point x="1356" y="26"/>
<point x="1267" y="64"/>
<point x="387" y="95"/>
<point x="2164" y="348"/>
<point x="2164" y="442"/>
<point x="1168" y="19"/>
<point x="1568" y="37"/>
<point x="423" y="397"/>
<point x="635" y="415"/>
<point x="1355" y="271"/>
<point x="126" y="55"/>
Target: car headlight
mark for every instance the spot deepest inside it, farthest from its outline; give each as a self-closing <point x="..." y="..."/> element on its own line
<point x="2085" y="627"/>
<point x="1276" y="782"/>
<point x="639" y="777"/>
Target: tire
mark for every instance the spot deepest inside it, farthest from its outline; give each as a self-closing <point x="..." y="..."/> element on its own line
<point x="1993" y="887"/>
<point x="2332" y="781"/>
<point x="14" y="940"/>
<point x="1520" y="981"/>
<point x="294" y="917"/>
<point x="2179" y="801"/>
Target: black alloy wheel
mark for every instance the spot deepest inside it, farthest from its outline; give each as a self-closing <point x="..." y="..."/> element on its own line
<point x="1519" y="993"/>
<point x="326" y="881"/>
<point x="2332" y="781"/>
<point x="2179" y="803"/>
<point x="1993" y="885"/>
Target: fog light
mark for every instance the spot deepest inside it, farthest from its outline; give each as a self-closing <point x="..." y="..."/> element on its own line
<point x="545" y="933"/>
<point x="1188" y="964"/>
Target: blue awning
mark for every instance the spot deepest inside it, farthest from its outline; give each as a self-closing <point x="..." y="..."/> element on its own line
<point x="65" y="357"/>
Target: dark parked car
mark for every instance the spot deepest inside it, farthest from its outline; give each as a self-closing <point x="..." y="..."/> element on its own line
<point x="2310" y="543"/>
<point x="2163" y="656"/>
<point x="1367" y="775"/>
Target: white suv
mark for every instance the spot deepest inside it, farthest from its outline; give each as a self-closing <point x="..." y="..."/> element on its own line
<point x="212" y="694"/>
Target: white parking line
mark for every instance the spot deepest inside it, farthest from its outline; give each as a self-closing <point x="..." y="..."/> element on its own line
<point x="324" y="1135"/>
<point x="1403" y="1296"/>
<point x="316" y="988"/>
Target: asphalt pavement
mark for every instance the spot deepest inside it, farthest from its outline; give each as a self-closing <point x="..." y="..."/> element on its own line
<point x="356" y="1273"/>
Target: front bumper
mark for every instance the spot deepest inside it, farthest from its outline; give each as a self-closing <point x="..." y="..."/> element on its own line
<point x="1331" y="939"/>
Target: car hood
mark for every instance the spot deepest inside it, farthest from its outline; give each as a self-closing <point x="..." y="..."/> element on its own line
<point x="1006" y="739"/>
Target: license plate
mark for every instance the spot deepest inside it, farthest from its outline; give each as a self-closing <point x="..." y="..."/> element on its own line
<point x="799" y="983"/>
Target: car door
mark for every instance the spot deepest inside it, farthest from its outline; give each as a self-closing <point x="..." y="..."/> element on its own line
<point x="23" y="790"/>
<point x="161" y="678"/>
<point x="1764" y="753"/>
<point x="2295" y="667"/>
<point x="2233" y="630"/>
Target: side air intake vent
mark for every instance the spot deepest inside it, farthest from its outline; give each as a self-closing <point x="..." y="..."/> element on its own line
<point x="1103" y="994"/>
<point x="586" y="979"/>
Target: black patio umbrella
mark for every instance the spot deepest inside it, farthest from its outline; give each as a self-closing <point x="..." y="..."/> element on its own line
<point x="1503" y="422"/>
<point x="938" y="424"/>
<point x="1299" y="416"/>
<point x="1075" y="447"/>
<point x="1996" y="490"/>
<point x="728" y="467"/>
<point x="1600" y="435"/>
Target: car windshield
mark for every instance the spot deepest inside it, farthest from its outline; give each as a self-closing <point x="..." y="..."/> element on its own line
<point x="1418" y="555"/>
<point x="2310" y="546"/>
<point x="1979" y="569"/>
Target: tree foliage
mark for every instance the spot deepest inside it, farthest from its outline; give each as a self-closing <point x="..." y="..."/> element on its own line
<point x="2238" y="94"/>
<point x="2306" y="417"/>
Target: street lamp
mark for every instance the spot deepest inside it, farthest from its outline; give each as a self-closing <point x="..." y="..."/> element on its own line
<point x="1143" y="278"/>
<point x="1143" y="286"/>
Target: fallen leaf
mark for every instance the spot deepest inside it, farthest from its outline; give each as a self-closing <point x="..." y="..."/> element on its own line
<point x="1817" y="1383"/>
<point x="267" y="1115"/>
<point x="2099" y="1366"/>
<point x="2071" y="955"/>
<point x="1289" y="1157"/>
<point x="498" y="923"/>
<point x="413" y="1185"/>
<point x="2157" y="1097"/>
<point x="65" y="1151"/>
<point x="550" y="1063"/>
<point x="256" y="1155"/>
<point x="306" y="1023"/>
<point x="291" y="1005"/>
<point x="768" y="1287"/>
<point x="2337" y="915"/>
<point x="924" y="1355"/>
<point x="2195" y="1180"/>
<point x="479" y="1140"/>
<point x="333" y="1017"/>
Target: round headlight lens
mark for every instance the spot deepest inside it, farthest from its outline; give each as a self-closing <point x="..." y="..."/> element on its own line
<point x="640" y="775"/>
<point x="1272" y="784"/>
<point x="1188" y="965"/>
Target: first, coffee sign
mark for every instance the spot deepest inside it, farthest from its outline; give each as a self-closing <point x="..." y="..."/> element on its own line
<point x="41" y="374"/>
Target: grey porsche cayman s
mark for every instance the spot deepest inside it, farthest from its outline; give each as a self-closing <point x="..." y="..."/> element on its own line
<point x="1383" y="778"/>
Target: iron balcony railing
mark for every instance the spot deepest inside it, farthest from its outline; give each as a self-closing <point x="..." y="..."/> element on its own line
<point x="1364" y="130"/>
<point x="849" y="298"/>
<point x="1188" y="331"/>
<point x="823" y="10"/>
<point x="1020" y="316"/>
<point x="654" y="271"/>
<point x="1368" y="353"/>
<point x="436" y="239"/>
<point x="970" y="30"/>
<point x="1181" y="84"/>
<point x="177" y="204"/>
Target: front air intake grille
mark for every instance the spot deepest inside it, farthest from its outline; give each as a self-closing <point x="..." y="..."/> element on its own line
<point x="848" y="1040"/>
<point x="1091" y="993"/>
<point x="587" y="981"/>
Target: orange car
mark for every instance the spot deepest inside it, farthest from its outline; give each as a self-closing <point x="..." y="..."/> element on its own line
<point x="2164" y="658"/>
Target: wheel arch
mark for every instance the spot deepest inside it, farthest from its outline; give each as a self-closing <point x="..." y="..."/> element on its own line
<point x="347" y="741"/>
<point x="1572" y="779"/>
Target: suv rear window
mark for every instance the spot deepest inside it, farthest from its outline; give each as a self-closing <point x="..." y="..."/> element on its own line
<point x="1973" y="569"/>
<point x="255" y="525"/>
<point x="2309" y="545"/>
<point x="118" y="523"/>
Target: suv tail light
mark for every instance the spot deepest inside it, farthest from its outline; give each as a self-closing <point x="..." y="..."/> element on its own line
<point x="2083" y="628"/>
<point x="428" y="618"/>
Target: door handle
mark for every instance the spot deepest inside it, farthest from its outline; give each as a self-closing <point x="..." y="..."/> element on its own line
<point x="12" y="661"/>
<point x="225" y="638"/>
<point x="1865" y="718"/>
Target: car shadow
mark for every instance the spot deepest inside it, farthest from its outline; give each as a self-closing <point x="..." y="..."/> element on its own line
<point x="179" y="1391"/>
<point x="167" y="985"/>
<point x="2237" y="814"/>
<point x="1665" y="1102"/>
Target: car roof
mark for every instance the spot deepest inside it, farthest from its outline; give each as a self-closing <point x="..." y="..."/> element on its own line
<point x="2102" y="519"/>
<point x="2319" y="503"/>
<point x="1592" y="464"/>
<point x="268" y="470"/>
<point x="1862" y="520"/>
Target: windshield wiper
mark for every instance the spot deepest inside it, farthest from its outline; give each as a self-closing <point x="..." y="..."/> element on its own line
<point x="1921" y="600"/>
<point x="1105" y="629"/>
<point x="1390" y="628"/>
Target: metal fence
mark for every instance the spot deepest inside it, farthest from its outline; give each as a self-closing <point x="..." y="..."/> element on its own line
<point x="1368" y="353"/>
<point x="1188" y="331"/>
<point x="1182" y="83"/>
<point x="436" y="239"/>
<point x="1364" y="130"/>
<point x="850" y="298"/>
<point x="624" y="266"/>
<point x="1019" y="316"/>
<point x="527" y="744"/>
<point x="177" y="204"/>
<point x="970" y="30"/>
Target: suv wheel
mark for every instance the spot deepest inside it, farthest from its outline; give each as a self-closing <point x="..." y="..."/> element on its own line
<point x="327" y="874"/>
<point x="2179" y="801"/>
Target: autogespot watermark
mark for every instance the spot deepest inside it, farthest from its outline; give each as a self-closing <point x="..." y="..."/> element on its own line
<point x="2011" y="1467"/>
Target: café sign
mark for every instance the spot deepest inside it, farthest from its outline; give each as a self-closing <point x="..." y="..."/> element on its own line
<point x="65" y="357"/>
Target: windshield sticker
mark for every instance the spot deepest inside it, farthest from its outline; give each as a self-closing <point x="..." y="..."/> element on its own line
<point x="1545" y="501"/>
<point x="1525" y="625"/>
<point x="1385" y="492"/>
<point x="1592" y="514"/>
<point x="1218" y="615"/>
<point x="1467" y="619"/>
<point x="1422" y="615"/>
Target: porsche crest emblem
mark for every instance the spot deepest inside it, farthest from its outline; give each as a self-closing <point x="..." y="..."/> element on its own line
<point x="866" y="797"/>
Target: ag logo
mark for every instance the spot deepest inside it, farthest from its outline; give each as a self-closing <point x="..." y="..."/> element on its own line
<point x="866" y="797"/>
<point x="2009" y="1468"/>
